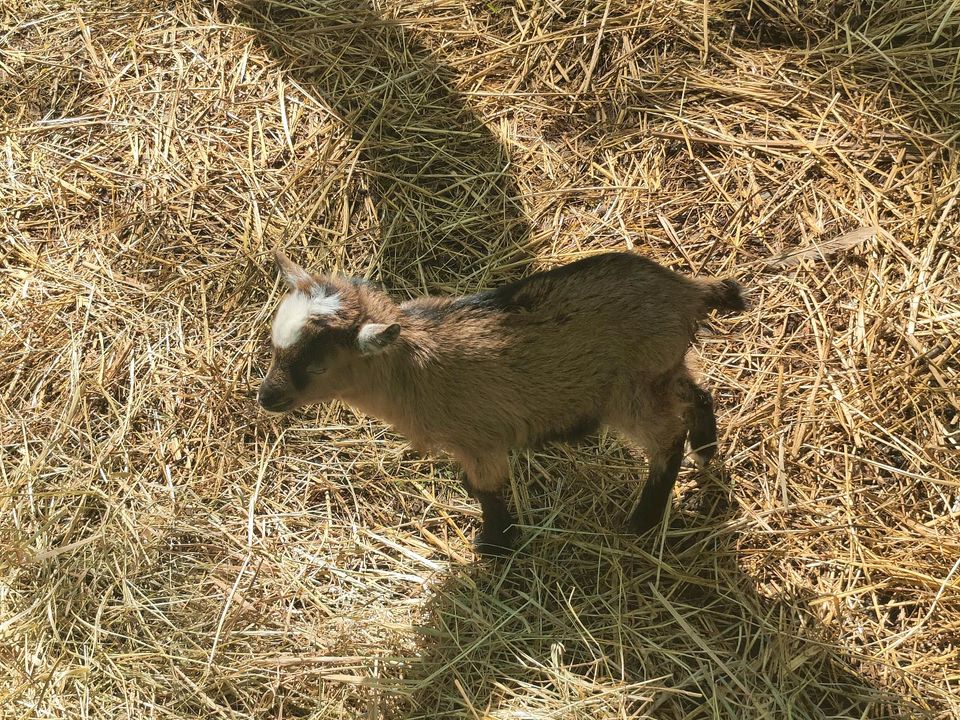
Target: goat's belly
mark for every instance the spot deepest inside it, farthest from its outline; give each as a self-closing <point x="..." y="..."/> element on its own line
<point x="508" y="411"/>
<point x="568" y="430"/>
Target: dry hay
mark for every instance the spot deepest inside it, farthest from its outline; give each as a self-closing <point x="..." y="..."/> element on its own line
<point x="169" y="552"/>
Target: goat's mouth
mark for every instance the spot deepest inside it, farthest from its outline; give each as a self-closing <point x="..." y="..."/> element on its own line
<point x="278" y="408"/>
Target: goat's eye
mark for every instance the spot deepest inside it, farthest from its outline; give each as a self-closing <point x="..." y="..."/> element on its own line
<point x="316" y="369"/>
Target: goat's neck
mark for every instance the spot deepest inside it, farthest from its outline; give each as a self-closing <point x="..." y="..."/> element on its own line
<point x="393" y="386"/>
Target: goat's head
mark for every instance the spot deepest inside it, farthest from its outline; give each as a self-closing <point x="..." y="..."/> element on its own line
<point x="324" y="332"/>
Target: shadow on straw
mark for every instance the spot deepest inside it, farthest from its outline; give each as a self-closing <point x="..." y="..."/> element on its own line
<point x="609" y="624"/>
<point x="448" y="206"/>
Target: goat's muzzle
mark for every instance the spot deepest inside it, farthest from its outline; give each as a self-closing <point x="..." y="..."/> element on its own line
<point x="274" y="399"/>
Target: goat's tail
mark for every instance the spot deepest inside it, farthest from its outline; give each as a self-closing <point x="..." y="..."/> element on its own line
<point x="725" y="295"/>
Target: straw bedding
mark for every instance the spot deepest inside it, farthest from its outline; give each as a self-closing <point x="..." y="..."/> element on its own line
<point x="167" y="551"/>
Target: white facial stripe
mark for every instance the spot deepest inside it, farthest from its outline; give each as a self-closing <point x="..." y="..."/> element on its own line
<point x="291" y="315"/>
<point x="294" y="312"/>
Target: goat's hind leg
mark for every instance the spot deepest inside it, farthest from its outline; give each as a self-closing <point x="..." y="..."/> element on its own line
<point x="484" y="481"/>
<point x="665" y="453"/>
<point x="656" y="418"/>
<point x="703" y="424"/>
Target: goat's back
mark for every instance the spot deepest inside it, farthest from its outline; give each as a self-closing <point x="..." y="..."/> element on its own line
<point x="546" y="354"/>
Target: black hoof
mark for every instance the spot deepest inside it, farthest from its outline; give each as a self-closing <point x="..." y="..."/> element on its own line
<point x="495" y="544"/>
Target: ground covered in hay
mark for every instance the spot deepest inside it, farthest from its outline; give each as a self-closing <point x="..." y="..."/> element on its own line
<point x="167" y="551"/>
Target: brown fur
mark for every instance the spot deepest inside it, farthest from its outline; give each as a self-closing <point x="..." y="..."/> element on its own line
<point x="598" y="342"/>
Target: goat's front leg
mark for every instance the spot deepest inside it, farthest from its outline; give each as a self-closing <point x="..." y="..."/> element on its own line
<point x="485" y="480"/>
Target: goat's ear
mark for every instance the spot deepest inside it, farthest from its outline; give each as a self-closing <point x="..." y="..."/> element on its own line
<point x="295" y="276"/>
<point x="374" y="338"/>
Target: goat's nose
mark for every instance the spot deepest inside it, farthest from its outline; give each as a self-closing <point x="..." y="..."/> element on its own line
<point x="273" y="398"/>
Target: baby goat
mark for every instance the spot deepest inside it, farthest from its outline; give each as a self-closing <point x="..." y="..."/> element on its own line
<point x="551" y="357"/>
